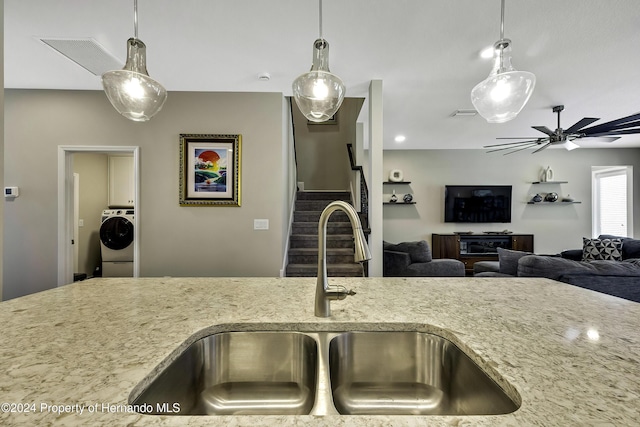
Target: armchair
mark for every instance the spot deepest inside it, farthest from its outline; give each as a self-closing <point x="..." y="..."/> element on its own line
<point x="413" y="259"/>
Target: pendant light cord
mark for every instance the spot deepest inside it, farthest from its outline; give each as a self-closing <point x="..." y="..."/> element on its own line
<point x="502" y="21"/>
<point x="320" y="17"/>
<point x="502" y="43"/>
<point x="135" y="19"/>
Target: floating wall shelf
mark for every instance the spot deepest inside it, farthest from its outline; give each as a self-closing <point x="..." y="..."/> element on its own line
<point x="559" y="202"/>
<point x="553" y="203"/>
<point x="550" y="182"/>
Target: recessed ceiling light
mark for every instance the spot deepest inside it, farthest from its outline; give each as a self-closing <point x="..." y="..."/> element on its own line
<point x="400" y="138"/>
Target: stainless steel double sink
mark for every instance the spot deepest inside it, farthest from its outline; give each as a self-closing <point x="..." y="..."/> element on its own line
<point x="324" y="373"/>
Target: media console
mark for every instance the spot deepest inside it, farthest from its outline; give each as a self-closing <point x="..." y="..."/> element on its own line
<point x="471" y="248"/>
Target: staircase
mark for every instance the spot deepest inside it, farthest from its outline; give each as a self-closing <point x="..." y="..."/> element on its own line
<point x="303" y="246"/>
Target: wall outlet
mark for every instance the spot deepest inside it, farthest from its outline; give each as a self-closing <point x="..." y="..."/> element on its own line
<point x="260" y="224"/>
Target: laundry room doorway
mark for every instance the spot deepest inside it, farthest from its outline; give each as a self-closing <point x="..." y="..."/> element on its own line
<point x="69" y="241"/>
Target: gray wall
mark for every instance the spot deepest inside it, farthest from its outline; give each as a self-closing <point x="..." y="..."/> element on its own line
<point x="174" y="240"/>
<point x="554" y="227"/>
<point x="323" y="162"/>
<point x="93" y="194"/>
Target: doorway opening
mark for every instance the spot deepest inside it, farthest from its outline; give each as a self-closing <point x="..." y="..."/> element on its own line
<point x="67" y="210"/>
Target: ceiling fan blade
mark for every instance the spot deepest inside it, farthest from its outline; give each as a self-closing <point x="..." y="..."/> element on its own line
<point x="624" y="122"/>
<point x="614" y="132"/>
<point x="542" y="148"/>
<point x="600" y="138"/>
<point x="515" y="148"/>
<point x="624" y="126"/>
<point x="521" y="137"/>
<point x="521" y="148"/>
<point x="543" y="129"/>
<point x="580" y="124"/>
<point x="512" y="143"/>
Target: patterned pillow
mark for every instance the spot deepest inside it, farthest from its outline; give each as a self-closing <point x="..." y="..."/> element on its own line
<point x="601" y="249"/>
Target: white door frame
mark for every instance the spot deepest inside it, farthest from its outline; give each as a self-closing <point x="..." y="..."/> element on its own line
<point x="65" y="204"/>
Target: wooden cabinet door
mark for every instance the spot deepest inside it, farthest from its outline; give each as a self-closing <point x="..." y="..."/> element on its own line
<point x="445" y="246"/>
<point x="522" y="242"/>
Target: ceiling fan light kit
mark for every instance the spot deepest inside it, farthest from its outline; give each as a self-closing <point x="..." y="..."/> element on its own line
<point x="502" y="95"/>
<point x="319" y="93"/>
<point x="131" y="91"/>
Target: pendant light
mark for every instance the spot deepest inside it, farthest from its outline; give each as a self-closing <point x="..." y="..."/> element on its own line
<point x="319" y="93"/>
<point x="501" y="96"/>
<point x="131" y="91"/>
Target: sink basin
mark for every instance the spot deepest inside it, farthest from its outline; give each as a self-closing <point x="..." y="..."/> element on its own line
<point x="409" y="373"/>
<point x="239" y="373"/>
<point x="323" y="373"/>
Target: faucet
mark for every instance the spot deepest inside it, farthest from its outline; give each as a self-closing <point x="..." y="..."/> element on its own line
<point x="325" y="292"/>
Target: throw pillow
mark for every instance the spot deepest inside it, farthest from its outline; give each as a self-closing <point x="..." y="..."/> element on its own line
<point x="601" y="249"/>
<point x="630" y="247"/>
<point x="418" y="251"/>
<point x="572" y="254"/>
<point x="508" y="259"/>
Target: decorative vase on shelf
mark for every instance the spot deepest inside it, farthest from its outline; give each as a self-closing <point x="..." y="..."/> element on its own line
<point x="547" y="174"/>
<point x="396" y="175"/>
<point x="393" y="198"/>
<point x="537" y="198"/>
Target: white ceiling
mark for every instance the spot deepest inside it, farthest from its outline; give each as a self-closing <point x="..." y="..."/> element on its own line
<point x="585" y="54"/>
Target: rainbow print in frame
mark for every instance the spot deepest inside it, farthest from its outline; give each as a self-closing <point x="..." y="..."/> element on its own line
<point x="210" y="170"/>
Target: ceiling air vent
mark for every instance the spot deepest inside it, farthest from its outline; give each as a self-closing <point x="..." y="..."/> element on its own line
<point x="85" y="52"/>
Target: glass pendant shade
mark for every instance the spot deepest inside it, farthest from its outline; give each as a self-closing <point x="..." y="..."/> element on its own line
<point x="131" y="91"/>
<point x="319" y="93"/>
<point x="501" y="96"/>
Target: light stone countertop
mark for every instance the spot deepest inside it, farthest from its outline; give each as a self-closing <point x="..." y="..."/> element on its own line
<point x="572" y="355"/>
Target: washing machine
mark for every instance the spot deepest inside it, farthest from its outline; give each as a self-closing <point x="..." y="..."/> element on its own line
<point x="116" y="242"/>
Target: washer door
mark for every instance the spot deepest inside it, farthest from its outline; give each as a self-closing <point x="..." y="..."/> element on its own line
<point x="116" y="233"/>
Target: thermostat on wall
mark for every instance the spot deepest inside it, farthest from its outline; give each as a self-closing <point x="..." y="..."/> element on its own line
<point x="11" y="192"/>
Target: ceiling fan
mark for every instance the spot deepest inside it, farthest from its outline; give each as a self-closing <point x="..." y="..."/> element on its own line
<point x="605" y="132"/>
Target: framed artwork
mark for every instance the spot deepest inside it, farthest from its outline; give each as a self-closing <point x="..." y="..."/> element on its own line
<point x="210" y="170"/>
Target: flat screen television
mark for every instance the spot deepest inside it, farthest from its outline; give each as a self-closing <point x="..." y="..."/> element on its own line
<point x="477" y="203"/>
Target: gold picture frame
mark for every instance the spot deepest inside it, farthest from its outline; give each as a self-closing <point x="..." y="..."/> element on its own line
<point x="210" y="170"/>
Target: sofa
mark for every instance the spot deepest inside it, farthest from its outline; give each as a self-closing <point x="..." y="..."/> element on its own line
<point x="614" y="271"/>
<point x="413" y="259"/>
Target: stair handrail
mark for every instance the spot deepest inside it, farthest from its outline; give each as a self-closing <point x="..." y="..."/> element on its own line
<point x="364" y="189"/>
